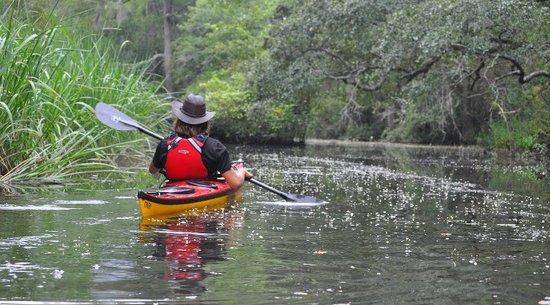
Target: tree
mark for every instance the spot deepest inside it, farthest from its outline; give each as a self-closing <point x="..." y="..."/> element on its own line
<point x="219" y="42"/>
<point x="479" y="48"/>
<point x="168" y="52"/>
<point x="429" y="71"/>
<point x="323" y="52"/>
<point x="145" y="29"/>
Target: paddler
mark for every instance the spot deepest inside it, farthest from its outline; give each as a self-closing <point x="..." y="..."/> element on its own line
<point x="189" y="152"/>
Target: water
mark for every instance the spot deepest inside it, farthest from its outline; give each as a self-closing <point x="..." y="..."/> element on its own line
<point x="401" y="225"/>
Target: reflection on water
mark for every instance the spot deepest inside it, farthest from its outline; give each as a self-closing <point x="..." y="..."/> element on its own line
<point x="401" y="225"/>
<point x="187" y="244"/>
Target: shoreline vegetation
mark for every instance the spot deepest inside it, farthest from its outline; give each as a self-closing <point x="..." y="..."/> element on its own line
<point x="355" y="143"/>
<point x="55" y="67"/>
<point x="50" y="82"/>
<point x="499" y="153"/>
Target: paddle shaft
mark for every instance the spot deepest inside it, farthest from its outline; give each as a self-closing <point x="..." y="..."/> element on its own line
<point x="269" y="188"/>
<point x="140" y="128"/>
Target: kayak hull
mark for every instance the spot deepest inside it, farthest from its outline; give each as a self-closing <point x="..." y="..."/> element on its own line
<point x="185" y="197"/>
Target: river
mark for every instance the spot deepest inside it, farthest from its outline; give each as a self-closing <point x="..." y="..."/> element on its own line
<point x="400" y="225"/>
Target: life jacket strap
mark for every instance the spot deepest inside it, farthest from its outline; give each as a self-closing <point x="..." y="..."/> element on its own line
<point x="196" y="145"/>
<point x="174" y="142"/>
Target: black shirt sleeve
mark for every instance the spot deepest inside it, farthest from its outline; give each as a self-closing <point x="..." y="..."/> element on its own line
<point x="159" y="158"/>
<point x="215" y="157"/>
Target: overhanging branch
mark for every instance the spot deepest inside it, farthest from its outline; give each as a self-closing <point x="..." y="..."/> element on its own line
<point x="422" y="70"/>
<point x="520" y="72"/>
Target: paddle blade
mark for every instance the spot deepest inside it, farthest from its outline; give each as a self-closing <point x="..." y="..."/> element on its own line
<point x="286" y="196"/>
<point x="113" y="118"/>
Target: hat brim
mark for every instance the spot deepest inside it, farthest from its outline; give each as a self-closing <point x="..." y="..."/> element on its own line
<point x="176" y="110"/>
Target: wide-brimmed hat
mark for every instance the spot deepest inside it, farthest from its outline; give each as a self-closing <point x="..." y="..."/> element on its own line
<point x="192" y="111"/>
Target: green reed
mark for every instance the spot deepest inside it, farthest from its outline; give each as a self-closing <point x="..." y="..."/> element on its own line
<point x="50" y="82"/>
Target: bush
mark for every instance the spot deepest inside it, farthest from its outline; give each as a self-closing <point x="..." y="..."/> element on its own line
<point x="517" y="134"/>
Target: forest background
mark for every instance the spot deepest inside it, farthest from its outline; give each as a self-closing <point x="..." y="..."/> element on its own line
<point x="275" y="71"/>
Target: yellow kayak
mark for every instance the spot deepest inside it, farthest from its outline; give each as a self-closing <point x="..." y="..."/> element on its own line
<point x="181" y="197"/>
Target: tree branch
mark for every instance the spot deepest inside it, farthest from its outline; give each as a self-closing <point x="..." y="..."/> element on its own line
<point x="422" y="70"/>
<point x="350" y="78"/>
<point x="520" y="72"/>
<point x="477" y="73"/>
<point x="350" y="74"/>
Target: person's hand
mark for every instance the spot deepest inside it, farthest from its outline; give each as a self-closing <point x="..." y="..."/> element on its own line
<point x="247" y="174"/>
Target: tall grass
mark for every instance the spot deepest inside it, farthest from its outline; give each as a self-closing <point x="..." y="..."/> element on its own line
<point x="50" y="82"/>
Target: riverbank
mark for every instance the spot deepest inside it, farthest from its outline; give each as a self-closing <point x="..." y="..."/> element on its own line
<point x="350" y="143"/>
<point x="508" y="153"/>
<point x="538" y="162"/>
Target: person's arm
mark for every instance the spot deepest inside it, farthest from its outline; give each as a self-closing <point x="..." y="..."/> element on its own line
<point x="217" y="157"/>
<point x="159" y="158"/>
<point x="235" y="177"/>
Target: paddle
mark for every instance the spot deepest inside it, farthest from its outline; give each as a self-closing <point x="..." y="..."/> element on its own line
<point x="116" y="119"/>
<point x="286" y="196"/>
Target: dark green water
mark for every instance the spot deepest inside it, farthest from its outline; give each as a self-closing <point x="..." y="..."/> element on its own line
<point x="401" y="225"/>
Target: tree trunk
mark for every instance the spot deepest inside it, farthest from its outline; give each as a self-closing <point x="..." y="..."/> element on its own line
<point x="121" y="12"/>
<point x="100" y="10"/>
<point x="168" y="53"/>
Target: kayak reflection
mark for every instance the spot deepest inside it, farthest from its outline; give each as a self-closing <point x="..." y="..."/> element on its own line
<point x="188" y="243"/>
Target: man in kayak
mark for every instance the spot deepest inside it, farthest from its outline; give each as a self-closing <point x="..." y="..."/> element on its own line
<point x="190" y="153"/>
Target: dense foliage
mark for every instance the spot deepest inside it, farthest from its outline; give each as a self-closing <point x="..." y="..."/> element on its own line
<point x="424" y="71"/>
<point x="50" y="81"/>
<point x="449" y="72"/>
<point x="220" y="42"/>
<point x="431" y="72"/>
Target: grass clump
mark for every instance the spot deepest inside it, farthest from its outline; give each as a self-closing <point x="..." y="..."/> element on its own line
<point x="50" y="82"/>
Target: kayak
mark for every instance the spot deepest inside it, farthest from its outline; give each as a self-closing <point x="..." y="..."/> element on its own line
<point x="185" y="196"/>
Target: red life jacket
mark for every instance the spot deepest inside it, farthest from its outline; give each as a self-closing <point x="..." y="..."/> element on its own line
<point x="183" y="160"/>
